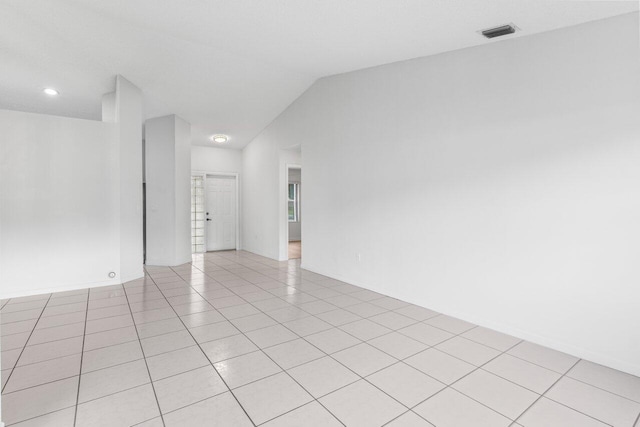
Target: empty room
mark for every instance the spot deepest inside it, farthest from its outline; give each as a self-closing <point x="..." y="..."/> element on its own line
<point x="301" y="213"/>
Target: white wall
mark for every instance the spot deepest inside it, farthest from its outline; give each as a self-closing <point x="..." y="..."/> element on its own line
<point x="168" y="191"/>
<point x="68" y="194"/>
<point x="295" y="176"/>
<point x="214" y="159"/>
<point x="59" y="209"/>
<point x="498" y="184"/>
<point x="129" y="118"/>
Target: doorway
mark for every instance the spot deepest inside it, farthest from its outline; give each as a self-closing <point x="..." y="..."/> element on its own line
<point x="294" y="211"/>
<point x="220" y="212"/>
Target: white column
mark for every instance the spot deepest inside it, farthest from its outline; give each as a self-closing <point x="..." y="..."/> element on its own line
<point x="168" y="190"/>
<point x="128" y="115"/>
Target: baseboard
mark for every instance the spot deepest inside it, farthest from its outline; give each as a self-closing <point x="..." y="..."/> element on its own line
<point x="505" y="328"/>
<point x="65" y="288"/>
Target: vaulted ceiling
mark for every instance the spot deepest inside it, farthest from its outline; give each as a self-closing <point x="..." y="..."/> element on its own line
<point x="231" y="66"/>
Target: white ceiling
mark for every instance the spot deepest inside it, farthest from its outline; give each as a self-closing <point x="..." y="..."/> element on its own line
<point x="231" y="66"/>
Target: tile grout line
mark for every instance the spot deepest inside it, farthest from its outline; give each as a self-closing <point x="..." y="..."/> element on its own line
<point x="547" y="390"/>
<point x="282" y="371"/>
<point x="205" y="355"/>
<point x="155" y="395"/>
<point x="86" y="314"/>
<point x="25" y="345"/>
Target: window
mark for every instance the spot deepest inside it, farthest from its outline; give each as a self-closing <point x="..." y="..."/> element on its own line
<point x="197" y="214"/>
<point x="293" y="202"/>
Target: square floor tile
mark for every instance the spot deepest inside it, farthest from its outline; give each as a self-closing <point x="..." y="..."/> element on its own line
<point x="56" y="333"/>
<point x="405" y="384"/>
<point x="153" y="315"/>
<point x="547" y="413"/>
<point x="338" y="317"/>
<point x="271" y="335"/>
<point x="426" y="334"/>
<point x="440" y="366"/>
<point x="361" y="404"/>
<point x="389" y="303"/>
<point x="293" y="353"/>
<point x="175" y="362"/>
<point x="616" y="382"/>
<point x="416" y="312"/>
<point x="322" y="376"/>
<point x="103" y="382"/>
<point x="491" y="338"/>
<point x="253" y="322"/>
<point x="270" y="397"/>
<point x="110" y="356"/>
<point x="160" y="327"/>
<point x="310" y="415"/>
<point x="392" y="320"/>
<point x="450" y="324"/>
<point x="543" y="356"/>
<point x="228" y="347"/>
<point x="398" y="345"/>
<point x="409" y="419"/>
<point x="43" y="372"/>
<point x="237" y="311"/>
<point x="307" y="325"/>
<point x="450" y="408"/>
<point x="167" y="342"/>
<point x="220" y="410"/>
<point x="521" y="372"/>
<point x="202" y="318"/>
<point x="109" y="338"/>
<point x="100" y="313"/>
<point x="364" y="359"/>
<point x="332" y="340"/>
<point x="469" y="351"/>
<point x="499" y="394"/>
<point x="597" y="403"/>
<point x="365" y="329"/>
<point x="51" y="350"/>
<point x="11" y="342"/>
<point x="365" y="309"/>
<point x="125" y="408"/>
<point x="193" y="308"/>
<point x="187" y="388"/>
<point x="101" y="325"/>
<point x="213" y="331"/>
<point x="62" y="418"/>
<point x="35" y="401"/>
<point x="247" y="368"/>
<point x="288" y="313"/>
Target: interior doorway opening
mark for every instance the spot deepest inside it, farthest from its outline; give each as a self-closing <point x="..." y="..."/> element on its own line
<point x="294" y="211"/>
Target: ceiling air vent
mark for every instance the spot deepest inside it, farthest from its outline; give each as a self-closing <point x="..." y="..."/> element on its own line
<point x="499" y="31"/>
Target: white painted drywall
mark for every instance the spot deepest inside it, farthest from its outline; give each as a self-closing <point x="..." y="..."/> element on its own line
<point x="128" y="114"/>
<point x="498" y="184"/>
<point x="214" y="159"/>
<point x="59" y="225"/>
<point x="71" y="198"/>
<point x="168" y="191"/>
<point x="295" y="176"/>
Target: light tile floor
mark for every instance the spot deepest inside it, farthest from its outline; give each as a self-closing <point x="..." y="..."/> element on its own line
<point x="234" y="339"/>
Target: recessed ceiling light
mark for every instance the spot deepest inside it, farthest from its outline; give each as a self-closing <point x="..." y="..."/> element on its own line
<point x="220" y="139"/>
<point x="50" y="91"/>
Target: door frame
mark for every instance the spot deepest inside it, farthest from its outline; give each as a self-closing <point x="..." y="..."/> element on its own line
<point x="289" y="166"/>
<point x="236" y="176"/>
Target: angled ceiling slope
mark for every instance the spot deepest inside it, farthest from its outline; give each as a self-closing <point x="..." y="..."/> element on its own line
<point x="232" y="66"/>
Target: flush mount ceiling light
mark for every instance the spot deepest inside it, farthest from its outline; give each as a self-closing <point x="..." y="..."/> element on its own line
<point x="51" y="91"/>
<point x="220" y="139"/>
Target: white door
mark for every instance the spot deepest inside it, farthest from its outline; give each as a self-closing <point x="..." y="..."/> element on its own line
<point x="221" y="213"/>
